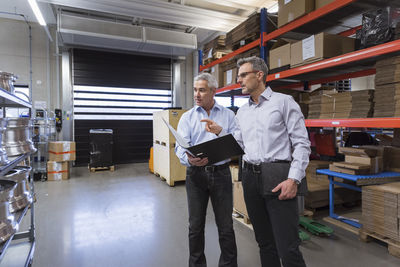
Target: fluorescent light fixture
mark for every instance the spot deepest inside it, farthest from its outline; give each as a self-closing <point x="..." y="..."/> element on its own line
<point x="37" y="12"/>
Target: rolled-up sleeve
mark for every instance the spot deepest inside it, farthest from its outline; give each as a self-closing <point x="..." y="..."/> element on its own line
<point x="298" y="136"/>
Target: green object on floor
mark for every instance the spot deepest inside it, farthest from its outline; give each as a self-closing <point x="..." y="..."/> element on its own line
<point x="315" y="227"/>
<point x="303" y="236"/>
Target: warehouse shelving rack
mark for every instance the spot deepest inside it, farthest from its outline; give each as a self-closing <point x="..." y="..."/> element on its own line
<point x="9" y="100"/>
<point x="351" y="65"/>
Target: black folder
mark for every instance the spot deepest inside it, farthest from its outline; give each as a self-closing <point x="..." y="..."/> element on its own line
<point x="215" y="150"/>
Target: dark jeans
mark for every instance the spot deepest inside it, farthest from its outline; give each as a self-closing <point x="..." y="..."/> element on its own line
<point x="200" y="186"/>
<point x="275" y="224"/>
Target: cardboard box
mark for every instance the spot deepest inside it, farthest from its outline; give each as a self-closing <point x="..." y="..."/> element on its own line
<point x="290" y="10"/>
<point x="238" y="199"/>
<point x="218" y="73"/>
<point x="279" y="55"/>
<point x="375" y="163"/>
<point x="230" y="76"/>
<point x="380" y="210"/>
<point x="62" y="151"/>
<point x="321" y="3"/>
<point x="57" y="171"/>
<point x="318" y="47"/>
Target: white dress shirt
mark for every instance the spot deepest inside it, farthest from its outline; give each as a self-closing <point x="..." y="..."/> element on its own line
<point x="273" y="130"/>
<point x="194" y="132"/>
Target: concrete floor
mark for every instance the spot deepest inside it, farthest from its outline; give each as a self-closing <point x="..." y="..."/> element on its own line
<point x="131" y="218"/>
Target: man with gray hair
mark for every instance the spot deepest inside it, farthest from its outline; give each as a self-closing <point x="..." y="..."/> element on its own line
<point x="272" y="133"/>
<point x="204" y="181"/>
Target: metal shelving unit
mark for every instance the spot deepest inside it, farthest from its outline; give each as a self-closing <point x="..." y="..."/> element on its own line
<point x="351" y="65"/>
<point x="9" y="100"/>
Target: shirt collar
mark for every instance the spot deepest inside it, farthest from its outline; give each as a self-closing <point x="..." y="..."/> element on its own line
<point x="266" y="95"/>
<point x="216" y="106"/>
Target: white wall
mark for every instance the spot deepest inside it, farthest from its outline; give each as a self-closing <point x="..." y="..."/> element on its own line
<point x="14" y="57"/>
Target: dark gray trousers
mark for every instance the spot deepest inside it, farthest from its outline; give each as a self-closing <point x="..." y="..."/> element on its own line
<point x="275" y="223"/>
<point x="201" y="186"/>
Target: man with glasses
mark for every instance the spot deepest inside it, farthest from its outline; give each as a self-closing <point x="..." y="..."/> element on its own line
<point x="272" y="132"/>
<point x="204" y="181"/>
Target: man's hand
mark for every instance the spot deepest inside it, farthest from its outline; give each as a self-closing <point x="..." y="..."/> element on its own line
<point x="212" y="126"/>
<point x="288" y="189"/>
<point x="197" y="161"/>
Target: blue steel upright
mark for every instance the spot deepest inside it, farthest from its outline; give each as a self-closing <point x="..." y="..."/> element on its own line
<point x="263" y="28"/>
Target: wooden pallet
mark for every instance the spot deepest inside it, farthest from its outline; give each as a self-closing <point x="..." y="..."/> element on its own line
<point x="393" y="246"/>
<point x="95" y="169"/>
<point x="243" y="219"/>
<point x="170" y="182"/>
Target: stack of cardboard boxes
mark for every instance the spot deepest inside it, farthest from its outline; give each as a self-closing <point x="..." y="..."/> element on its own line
<point x="215" y="49"/>
<point x="387" y="88"/>
<point x="366" y="160"/>
<point x="329" y="104"/>
<point x="381" y="210"/>
<point x="60" y="154"/>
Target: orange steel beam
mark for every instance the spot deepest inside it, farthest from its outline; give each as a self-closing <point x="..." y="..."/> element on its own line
<point x="307" y="18"/>
<point x="350" y="31"/>
<point x="378" y="50"/>
<point x="234" y="53"/>
<point x="228" y="88"/>
<point x="366" y="122"/>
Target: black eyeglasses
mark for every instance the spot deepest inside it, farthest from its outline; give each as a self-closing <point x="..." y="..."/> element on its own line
<point x="244" y="74"/>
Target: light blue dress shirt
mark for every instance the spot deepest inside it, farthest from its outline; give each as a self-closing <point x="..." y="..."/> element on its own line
<point x="272" y="130"/>
<point x="194" y="132"/>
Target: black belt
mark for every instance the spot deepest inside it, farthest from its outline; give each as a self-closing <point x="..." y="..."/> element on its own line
<point x="213" y="168"/>
<point x="256" y="168"/>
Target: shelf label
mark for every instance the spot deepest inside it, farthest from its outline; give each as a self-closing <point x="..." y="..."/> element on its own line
<point x="308" y="47"/>
<point x="287" y="1"/>
<point x="277" y="76"/>
<point x="335" y="122"/>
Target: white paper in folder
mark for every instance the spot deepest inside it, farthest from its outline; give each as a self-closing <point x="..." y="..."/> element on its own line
<point x="181" y="141"/>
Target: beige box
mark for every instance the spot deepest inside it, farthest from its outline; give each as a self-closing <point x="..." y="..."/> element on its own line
<point x="238" y="199"/>
<point x="62" y="151"/>
<point x="321" y="3"/>
<point x="290" y="10"/>
<point x="161" y="133"/>
<point x="57" y="171"/>
<point x="230" y="76"/>
<point x="167" y="164"/>
<point x="218" y="73"/>
<point x="279" y="55"/>
<point x="318" y="47"/>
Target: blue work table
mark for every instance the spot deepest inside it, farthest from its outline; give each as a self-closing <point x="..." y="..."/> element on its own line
<point x="359" y="180"/>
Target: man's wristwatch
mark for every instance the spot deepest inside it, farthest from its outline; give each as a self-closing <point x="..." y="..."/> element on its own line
<point x="295" y="180"/>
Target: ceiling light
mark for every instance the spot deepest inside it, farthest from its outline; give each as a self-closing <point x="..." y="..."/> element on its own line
<point x="37" y="12"/>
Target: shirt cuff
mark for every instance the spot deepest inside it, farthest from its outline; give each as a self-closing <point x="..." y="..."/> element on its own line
<point x="295" y="173"/>
<point x="223" y="132"/>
